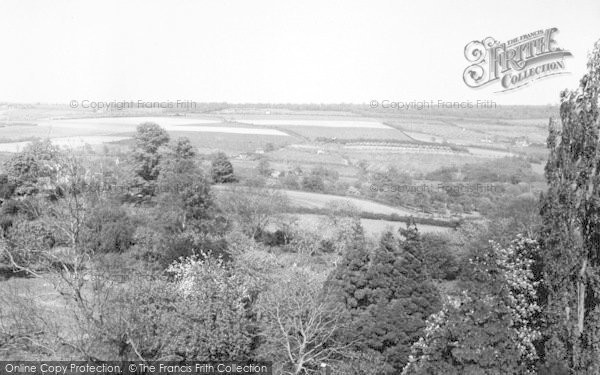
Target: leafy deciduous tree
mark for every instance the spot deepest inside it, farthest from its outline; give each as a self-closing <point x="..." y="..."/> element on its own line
<point x="146" y="156"/>
<point x="571" y="227"/>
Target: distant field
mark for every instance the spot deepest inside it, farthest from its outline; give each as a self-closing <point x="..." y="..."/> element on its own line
<point x="541" y="122"/>
<point x="128" y="124"/>
<point x="100" y="122"/>
<point x="76" y="132"/>
<point x="506" y="130"/>
<point x="315" y="200"/>
<point x="412" y="162"/>
<point x="72" y="142"/>
<point x="308" y="200"/>
<point x="231" y="144"/>
<point x="372" y="227"/>
<point x="444" y="132"/>
<point x="258" y="112"/>
<point x="488" y="153"/>
<point x="347" y="133"/>
<point x="376" y="227"/>
<point x="472" y="131"/>
<point x="20" y="133"/>
<point x="236" y="133"/>
<point x="310" y="154"/>
<point x="364" y="124"/>
<point x="533" y="134"/>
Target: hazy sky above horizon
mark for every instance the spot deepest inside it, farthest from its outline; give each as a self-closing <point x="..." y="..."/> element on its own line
<point x="274" y="51"/>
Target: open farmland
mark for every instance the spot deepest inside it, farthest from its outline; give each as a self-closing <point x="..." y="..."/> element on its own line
<point x="128" y="124"/>
<point x="300" y="153"/>
<point x="507" y="131"/>
<point x="480" y="132"/>
<point x="317" y="133"/>
<point x="377" y="227"/>
<point x="489" y="153"/>
<point x="309" y="200"/>
<point x="438" y="131"/>
<point x="352" y="124"/>
<point x="373" y="227"/>
<point x="76" y="132"/>
<point x="233" y="143"/>
<point x="306" y="199"/>
<point x="415" y="162"/>
<point x="319" y="128"/>
<point x="70" y="142"/>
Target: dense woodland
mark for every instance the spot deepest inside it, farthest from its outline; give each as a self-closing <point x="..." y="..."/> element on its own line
<point x="162" y="255"/>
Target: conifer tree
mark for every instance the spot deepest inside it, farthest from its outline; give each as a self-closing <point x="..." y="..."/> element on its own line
<point x="388" y="293"/>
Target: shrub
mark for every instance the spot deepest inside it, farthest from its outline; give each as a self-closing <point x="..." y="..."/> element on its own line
<point x="264" y="168"/>
<point x="200" y="313"/>
<point x="269" y="147"/>
<point x="290" y="181"/>
<point x="29" y="242"/>
<point x="7" y="187"/>
<point x="109" y="229"/>
<point x="313" y="183"/>
<point x="10" y="207"/>
<point x="326" y="246"/>
<point x="276" y="238"/>
<point x="256" y="182"/>
<point x="221" y="169"/>
<point x="5" y="224"/>
<point x="190" y="244"/>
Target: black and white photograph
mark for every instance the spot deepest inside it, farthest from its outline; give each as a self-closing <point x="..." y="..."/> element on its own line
<point x="277" y="187"/>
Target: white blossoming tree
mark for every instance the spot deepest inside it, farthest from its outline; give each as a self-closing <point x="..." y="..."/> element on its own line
<point x="489" y="328"/>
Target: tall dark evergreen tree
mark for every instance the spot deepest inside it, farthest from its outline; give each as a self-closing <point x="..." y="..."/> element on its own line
<point x="388" y="293"/>
<point x="571" y="228"/>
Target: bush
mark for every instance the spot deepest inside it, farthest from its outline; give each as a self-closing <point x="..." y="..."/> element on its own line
<point x="290" y="181"/>
<point x="109" y="229"/>
<point x="189" y="244"/>
<point x="256" y="182"/>
<point x="264" y="168"/>
<point x="326" y="174"/>
<point x="29" y="242"/>
<point x="5" y="224"/>
<point x="200" y="313"/>
<point x="326" y="246"/>
<point x="313" y="183"/>
<point x="269" y="147"/>
<point x="221" y="169"/>
<point x="277" y="238"/>
<point x="10" y="207"/>
<point x="7" y="188"/>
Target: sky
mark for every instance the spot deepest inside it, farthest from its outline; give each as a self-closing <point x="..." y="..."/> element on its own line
<point x="274" y="51"/>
